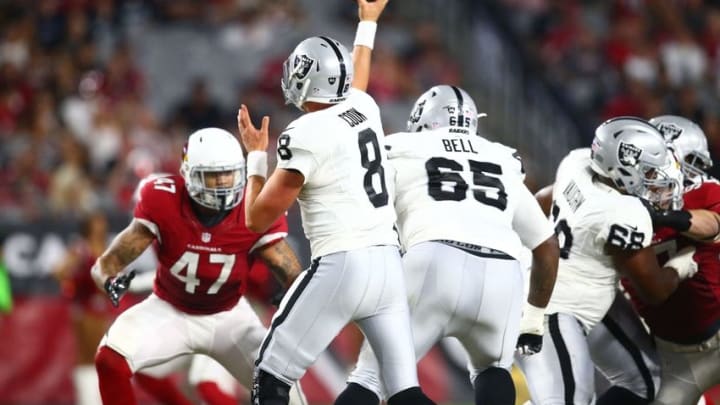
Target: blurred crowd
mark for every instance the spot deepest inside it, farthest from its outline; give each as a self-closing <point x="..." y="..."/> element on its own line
<point x="628" y="57"/>
<point x="76" y="128"/>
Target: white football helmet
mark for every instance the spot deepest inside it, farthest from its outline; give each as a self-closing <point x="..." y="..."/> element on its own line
<point x="633" y="154"/>
<point x="689" y="143"/>
<point x="213" y="150"/>
<point x="444" y="106"/>
<point x="320" y="69"/>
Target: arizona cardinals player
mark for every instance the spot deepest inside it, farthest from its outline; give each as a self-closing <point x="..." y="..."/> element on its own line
<point x="204" y="251"/>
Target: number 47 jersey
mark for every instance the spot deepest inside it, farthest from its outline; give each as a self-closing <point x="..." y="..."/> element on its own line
<point x="345" y="203"/>
<point x="451" y="185"/>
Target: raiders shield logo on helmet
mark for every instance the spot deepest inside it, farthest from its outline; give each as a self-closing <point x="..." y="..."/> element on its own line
<point x="669" y="130"/>
<point x="305" y="63"/>
<point x="331" y="80"/>
<point x="628" y="155"/>
<point x="417" y="113"/>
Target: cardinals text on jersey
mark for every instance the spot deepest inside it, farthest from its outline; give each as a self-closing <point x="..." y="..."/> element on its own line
<point x="201" y="269"/>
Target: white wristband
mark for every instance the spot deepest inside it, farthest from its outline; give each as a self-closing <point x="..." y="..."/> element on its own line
<point x="533" y="319"/>
<point x="257" y="164"/>
<point x="365" y="34"/>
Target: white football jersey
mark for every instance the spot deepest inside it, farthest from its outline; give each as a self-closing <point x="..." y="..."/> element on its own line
<point x="451" y="185"/>
<point x="588" y="215"/>
<point x="345" y="202"/>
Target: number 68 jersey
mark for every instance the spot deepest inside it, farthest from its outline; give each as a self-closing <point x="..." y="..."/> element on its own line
<point x="589" y="215"/>
<point x="345" y="203"/>
<point x="201" y="270"/>
<point x="455" y="186"/>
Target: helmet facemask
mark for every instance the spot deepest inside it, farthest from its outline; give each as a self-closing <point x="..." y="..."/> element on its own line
<point x="694" y="167"/>
<point x="295" y="82"/>
<point x="221" y="198"/>
<point x="661" y="186"/>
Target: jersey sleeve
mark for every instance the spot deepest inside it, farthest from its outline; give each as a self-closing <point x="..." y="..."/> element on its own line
<point x="148" y="207"/>
<point x="295" y="152"/>
<point x="626" y="226"/>
<point x="277" y="231"/>
<point x="712" y="196"/>
<point x="530" y="223"/>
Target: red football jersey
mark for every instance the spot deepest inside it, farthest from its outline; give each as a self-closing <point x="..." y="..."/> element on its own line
<point x="695" y="306"/>
<point x="201" y="270"/>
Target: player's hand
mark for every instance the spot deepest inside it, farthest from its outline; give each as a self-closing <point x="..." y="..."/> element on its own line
<point x="252" y="138"/>
<point x="684" y="263"/>
<point x="370" y="10"/>
<point x="529" y="344"/>
<point x="532" y="327"/>
<point x="116" y="287"/>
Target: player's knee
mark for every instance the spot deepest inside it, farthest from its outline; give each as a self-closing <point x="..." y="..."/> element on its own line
<point x="356" y="394"/>
<point x="111" y="364"/>
<point x="410" y="396"/>
<point x="494" y="386"/>
<point x="269" y="390"/>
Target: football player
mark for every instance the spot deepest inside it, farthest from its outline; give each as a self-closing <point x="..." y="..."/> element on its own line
<point x="205" y="252"/>
<point x="331" y="160"/>
<point x="464" y="214"/>
<point x="605" y="231"/>
<point x="686" y="326"/>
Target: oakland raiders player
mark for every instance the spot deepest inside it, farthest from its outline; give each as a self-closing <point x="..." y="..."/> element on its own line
<point x="463" y="215"/>
<point x="331" y="160"/>
<point x="686" y="325"/>
<point x="204" y="252"/>
<point x="605" y="231"/>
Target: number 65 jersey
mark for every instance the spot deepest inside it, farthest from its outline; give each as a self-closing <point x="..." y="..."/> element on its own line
<point x="588" y="216"/>
<point x="345" y="203"/>
<point x="201" y="270"/>
<point x="459" y="187"/>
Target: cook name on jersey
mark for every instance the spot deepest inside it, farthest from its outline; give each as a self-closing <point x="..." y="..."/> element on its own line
<point x="201" y="269"/>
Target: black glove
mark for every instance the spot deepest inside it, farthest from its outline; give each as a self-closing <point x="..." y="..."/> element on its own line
<point x="115" y="287"/>
<point x="529" y="344"/>
<point x="675" y="219"/>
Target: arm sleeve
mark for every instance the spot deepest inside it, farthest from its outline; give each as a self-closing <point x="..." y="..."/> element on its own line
<point x="529" y="222"/>
<point x="277" y="231"/>
<point x="294" y="153"/>
<point x="145" y="211"/>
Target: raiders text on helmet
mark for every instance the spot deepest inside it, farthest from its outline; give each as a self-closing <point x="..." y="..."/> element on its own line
<point x="444" y="106"/>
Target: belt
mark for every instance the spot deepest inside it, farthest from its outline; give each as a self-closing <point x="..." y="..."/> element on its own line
<point x="475" y="250"/>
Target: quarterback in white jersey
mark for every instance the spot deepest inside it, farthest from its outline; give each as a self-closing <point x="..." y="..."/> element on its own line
<point x="464" y="214"/>
<point x="605" y="231"/>
<point x="331" y="161"/>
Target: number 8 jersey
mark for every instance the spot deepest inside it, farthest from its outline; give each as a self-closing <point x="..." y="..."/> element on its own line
<point x="455" y="186"/>
<point x="345" y="203"/>
<point x="201" y="270"/>
<point x="588" y="216"/>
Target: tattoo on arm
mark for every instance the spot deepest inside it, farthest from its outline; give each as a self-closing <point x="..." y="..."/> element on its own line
<point x="282" y="261"/>
<point x="126" y="247"/>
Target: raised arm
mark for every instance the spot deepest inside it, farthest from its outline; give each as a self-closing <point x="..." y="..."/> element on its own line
<point x="281" y="260"/>
<point x="264" y="201"/>
<point x="369" y="13"/>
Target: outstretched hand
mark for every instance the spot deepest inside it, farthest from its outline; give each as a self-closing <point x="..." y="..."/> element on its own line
<point x="370" y="10"/>
<point x="252" y="138"/>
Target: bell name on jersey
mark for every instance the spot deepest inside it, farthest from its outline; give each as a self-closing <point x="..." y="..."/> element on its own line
<point x="475" y="186"/>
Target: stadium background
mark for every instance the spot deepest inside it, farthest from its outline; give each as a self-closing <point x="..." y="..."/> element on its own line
<point x="96" y="94"/>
